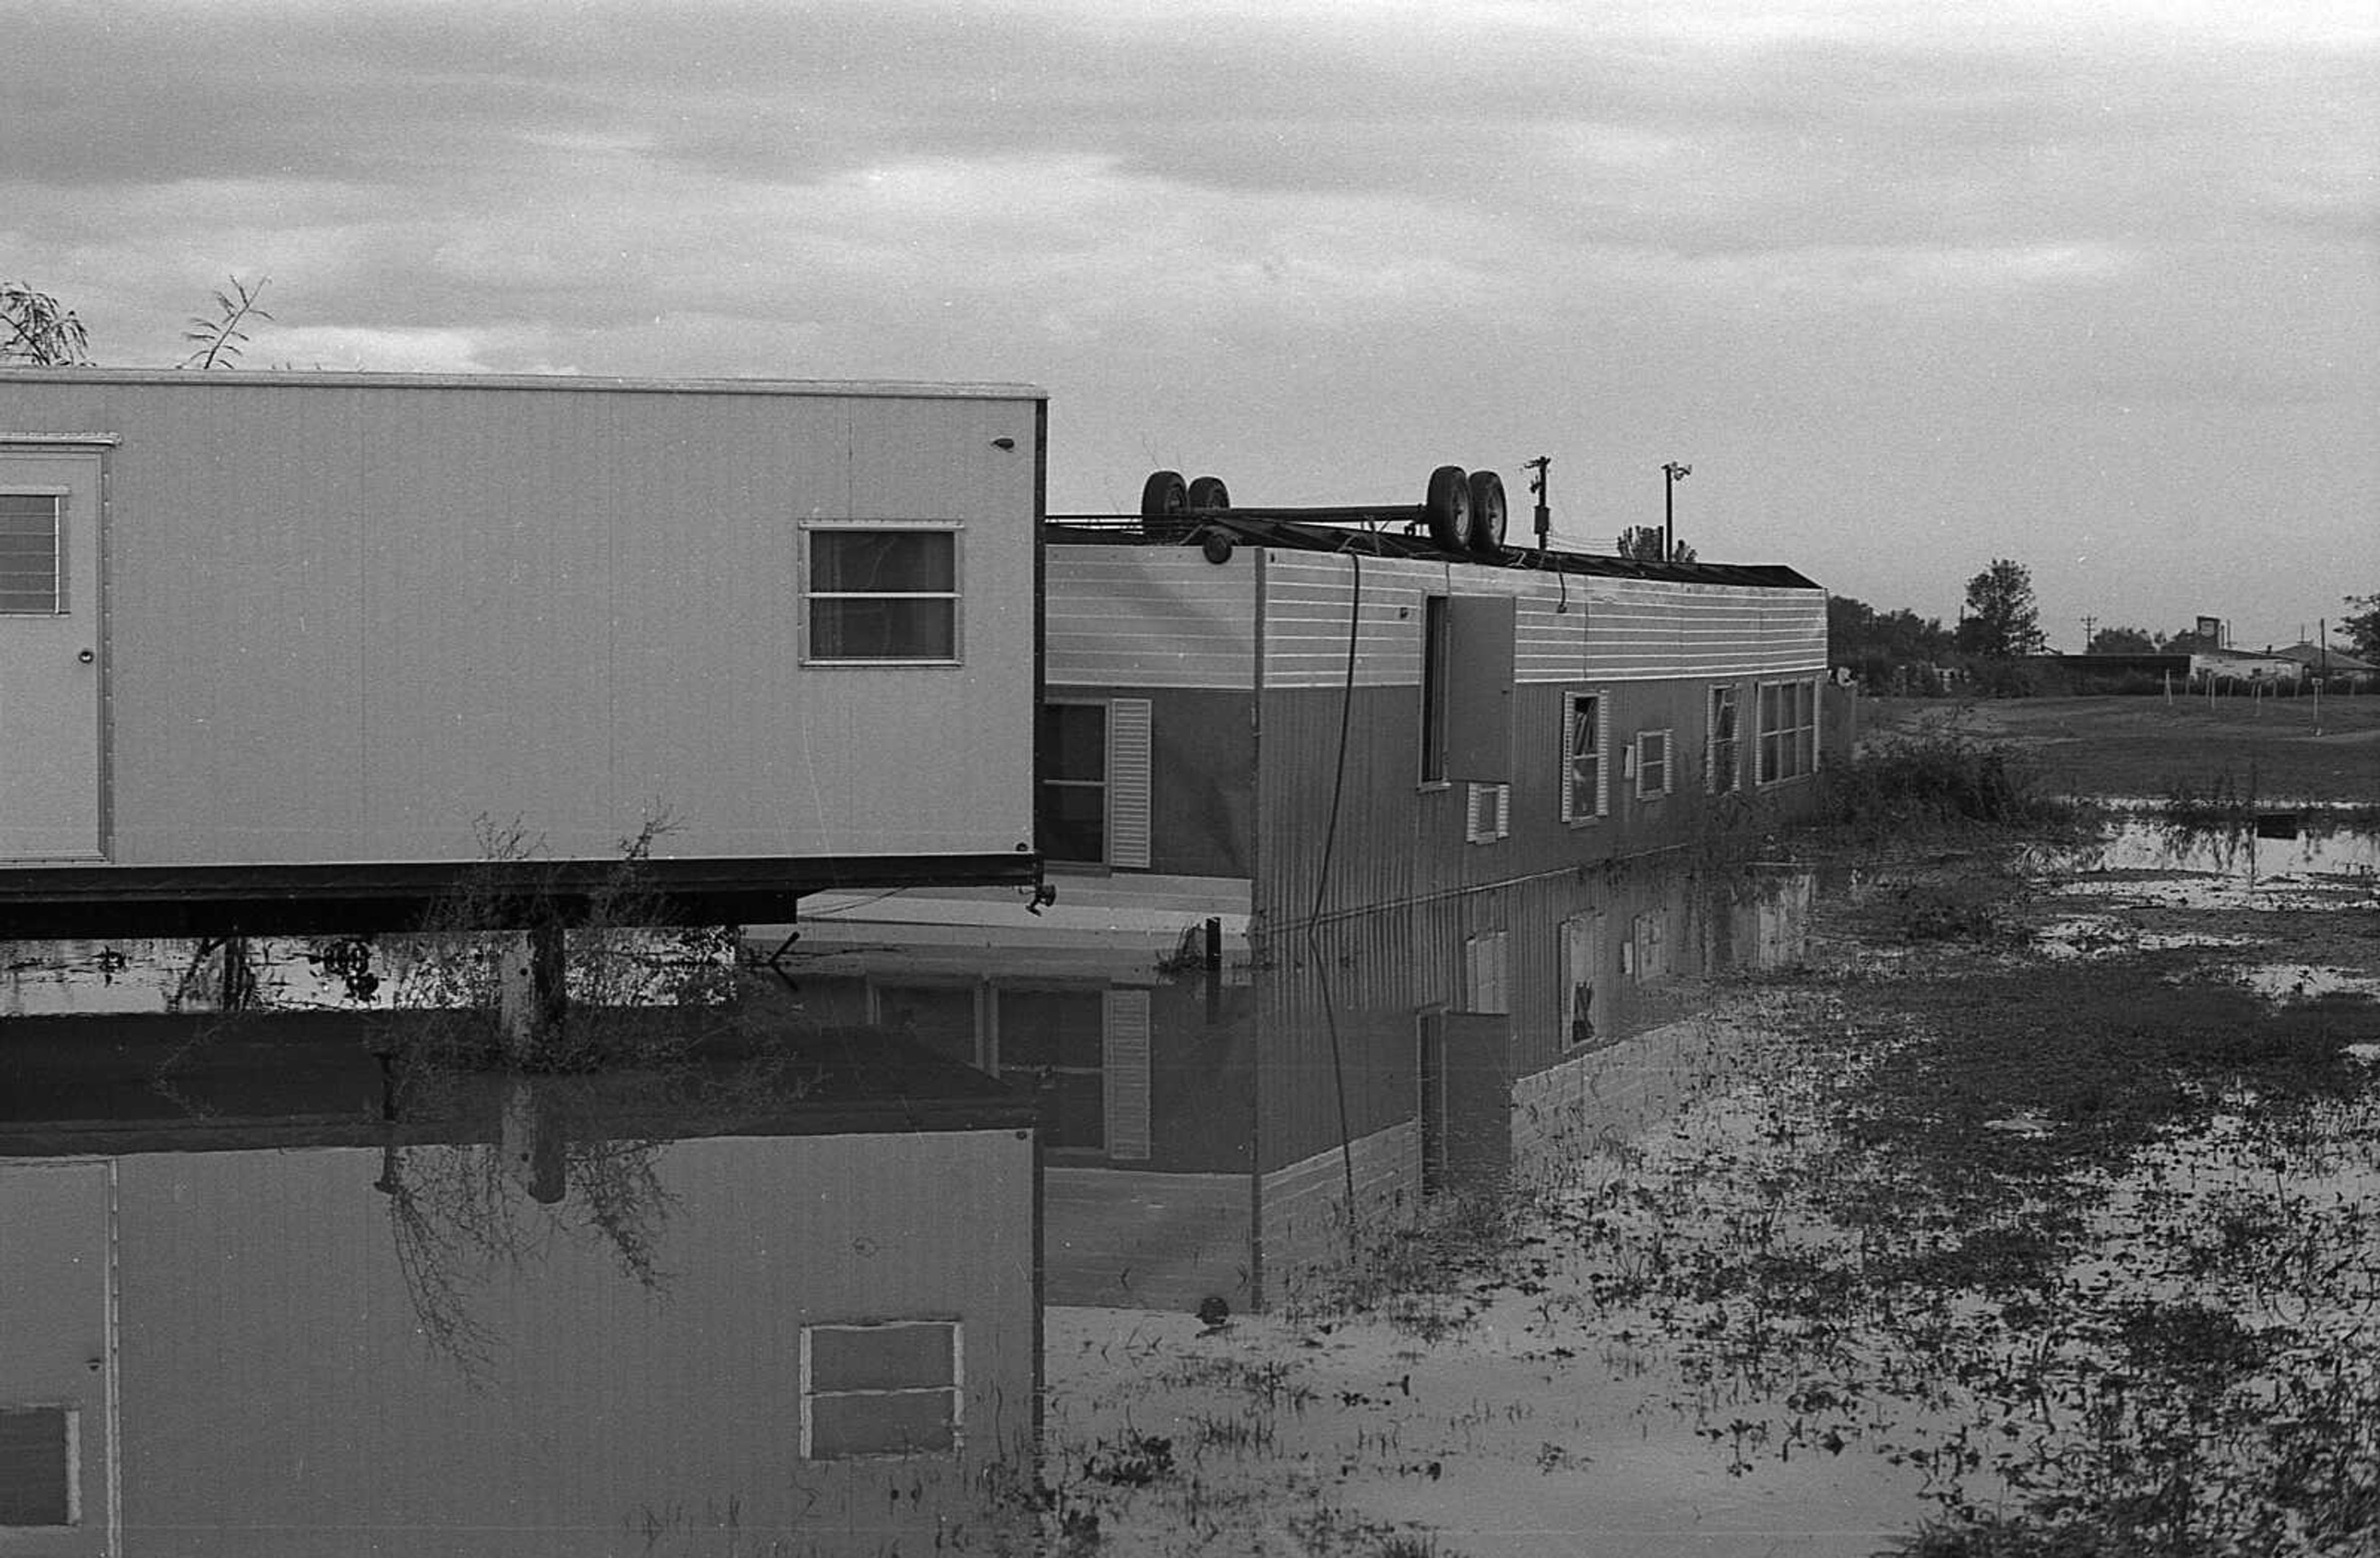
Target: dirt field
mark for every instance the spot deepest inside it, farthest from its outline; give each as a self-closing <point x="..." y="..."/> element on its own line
<point x="2250" y="750"/>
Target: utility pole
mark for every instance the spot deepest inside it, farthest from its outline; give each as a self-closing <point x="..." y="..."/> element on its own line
<point x="2089" y="622"/>
<point x="1676" y="474"/>
<point x="1538" y="469"/>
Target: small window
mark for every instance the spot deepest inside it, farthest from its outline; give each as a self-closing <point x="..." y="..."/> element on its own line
<point x="1092" y="796"/>
<point x="32" y="555"/>
<point x="37" y="1467"/>
<point x="1073" y="787"/>
<point x="1788" y="730"/>
<point x="892" y="1389"/>
<point x="1436" y="629"/>
<point x="1652" y="764"/>
<point x="883" y="595"/>
<point x="1584" y="797"/>
<point x="1725" y="721"/>
<point x="1487" y="813"/>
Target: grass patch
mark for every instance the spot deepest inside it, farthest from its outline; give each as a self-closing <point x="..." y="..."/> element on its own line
<point x="1939" y="777"/>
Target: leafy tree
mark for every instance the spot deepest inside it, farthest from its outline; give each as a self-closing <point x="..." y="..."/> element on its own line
<point x="217" y="341"/>
<point x="2362" y="629"/>
<point x="1643" y="543"/>
<point x="34" y="329"/>
<point x="2121" y="641"/>
<point x="2003" y="621"/>
<point x="1888" y="651"/>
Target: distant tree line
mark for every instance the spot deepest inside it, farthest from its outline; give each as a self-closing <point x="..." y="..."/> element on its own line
<point x="1900" y="652"/>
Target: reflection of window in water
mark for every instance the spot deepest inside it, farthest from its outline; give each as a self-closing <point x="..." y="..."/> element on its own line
<point x="893" y="1388"/>
<point x="37" y="1467"/>
<point x="1724" y="722"/>
<point x="1050" y="1043"/>
<point x="1581" y="966"/>
<point x="941" y="1017"/>
<point x="1648" y="952"/>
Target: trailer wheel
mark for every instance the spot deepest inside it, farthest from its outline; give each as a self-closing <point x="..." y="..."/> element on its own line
<point x="1486" y="512"/>
<point x="1208" y="492"/>
<point x="1163" y="494"/>
<point x="1448" y="507"/>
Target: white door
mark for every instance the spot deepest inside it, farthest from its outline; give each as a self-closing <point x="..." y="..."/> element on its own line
<point x="49" y="655"/>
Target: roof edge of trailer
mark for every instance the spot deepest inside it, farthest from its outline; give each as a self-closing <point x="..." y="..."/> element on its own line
<point x="1390" y="535"/>
<point x="883" y="389"/>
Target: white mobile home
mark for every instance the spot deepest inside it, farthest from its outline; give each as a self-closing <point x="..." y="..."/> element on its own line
<point x="277" y="649"/>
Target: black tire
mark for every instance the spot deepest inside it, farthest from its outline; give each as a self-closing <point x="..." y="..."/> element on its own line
<point x="1486" y="512"/>
<point x="1208" y="492"/>
<point x="1447" y="510"/>
<point x="1163" y="494"/>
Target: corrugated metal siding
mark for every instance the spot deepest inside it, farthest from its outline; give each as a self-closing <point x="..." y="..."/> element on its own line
<point x="1568" y="626"/>
<point x="278" y="1397"/>
<point x="346" y="620"/>
<point x="1150" y="616"/>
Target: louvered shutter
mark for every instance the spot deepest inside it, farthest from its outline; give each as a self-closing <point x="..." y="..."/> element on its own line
<point x="1124" y="1074"/>
<point x="1128" y="763"/>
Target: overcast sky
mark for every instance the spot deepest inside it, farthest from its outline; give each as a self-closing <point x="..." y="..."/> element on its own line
<point x="2094" y="287"/>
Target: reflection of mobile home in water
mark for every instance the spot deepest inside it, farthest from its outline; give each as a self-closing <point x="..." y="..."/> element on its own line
<point x="291" y="1328"/>
<point x="1367" y="853"/>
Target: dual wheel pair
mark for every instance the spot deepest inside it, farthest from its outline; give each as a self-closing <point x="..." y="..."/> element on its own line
<point x="1464" y="510"/>
<point x="1165" y="493"/>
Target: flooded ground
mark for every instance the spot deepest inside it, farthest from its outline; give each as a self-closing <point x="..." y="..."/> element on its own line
<point x="2042" y="1196"/>
<point x="2028" y="1186"/>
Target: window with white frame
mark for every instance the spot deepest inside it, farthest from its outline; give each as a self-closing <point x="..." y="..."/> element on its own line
<point x="39" y="1475"/>
<point x="1585" y="736"/>
<point x="884" y="593"/>
<point x="1652" y="764"/>
<point x="1092" y="767"/>
<point x="886" y="1388"/>
<point x="1722" y="745"/>
<point x="1072" y="787"/>
<point x="1487" y="813"/>
<point x="33" y="554"/>
<point x="1788" y="730"/>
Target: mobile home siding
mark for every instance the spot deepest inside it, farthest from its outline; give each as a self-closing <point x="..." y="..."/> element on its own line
<point x="347" y="616"/>
<point x="1152" y="617"/>
<point x="290" y="1397"/>
<point x="1568" y="626"/>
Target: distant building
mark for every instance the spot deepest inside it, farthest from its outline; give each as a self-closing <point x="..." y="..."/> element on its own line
<point x="2244" y="666"/>
<point x="2331" y="663"/>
